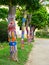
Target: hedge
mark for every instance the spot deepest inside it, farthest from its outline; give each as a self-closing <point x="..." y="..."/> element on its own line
<point x="42" y="34"/>
<point x="3" y="31"/>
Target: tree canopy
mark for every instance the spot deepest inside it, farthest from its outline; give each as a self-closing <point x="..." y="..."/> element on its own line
<point x="48" y="20"/>
<point x="34" y="4"/>
<point x="39" y="18"/>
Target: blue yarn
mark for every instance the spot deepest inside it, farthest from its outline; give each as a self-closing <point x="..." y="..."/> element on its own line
<point x="22" y="32"/>
<point x="23" y="36"/>
<point x="12" y="43"/>
<point x="23" y="20"/>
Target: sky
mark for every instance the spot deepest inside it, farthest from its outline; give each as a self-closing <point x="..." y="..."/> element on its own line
<point x="46" y="2"/>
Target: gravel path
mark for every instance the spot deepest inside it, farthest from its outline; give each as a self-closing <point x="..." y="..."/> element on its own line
<point x="40" y="53"/>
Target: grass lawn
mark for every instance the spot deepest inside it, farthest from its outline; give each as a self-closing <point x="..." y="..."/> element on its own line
<point x="22" y="54"/>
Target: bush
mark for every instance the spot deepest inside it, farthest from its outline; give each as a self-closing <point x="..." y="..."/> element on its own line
<point x="42" y="34"/>
<point x="3" y="31"/>
<point x="3" y="13"/>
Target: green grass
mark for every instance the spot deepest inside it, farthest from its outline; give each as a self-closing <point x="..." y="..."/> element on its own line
<point x="22" y="54"/>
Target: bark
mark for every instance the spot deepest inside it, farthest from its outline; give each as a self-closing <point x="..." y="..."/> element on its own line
<point x="32" y="29"/>
<point x="12" y="32"/>
<point x="27" y="24"/>
<point x="27" y="31"/>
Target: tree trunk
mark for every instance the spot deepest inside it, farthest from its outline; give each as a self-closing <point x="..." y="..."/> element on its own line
<point x="28" y="22"/>
<point x="27" y="31"/>
<point x="23" y="26"/>
<point x="22" y="38"/>
<point x="32" y="29"/>
<point x="12" y="32"/>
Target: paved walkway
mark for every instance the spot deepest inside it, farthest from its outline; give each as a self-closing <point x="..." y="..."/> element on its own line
<point x="40" y="53"/>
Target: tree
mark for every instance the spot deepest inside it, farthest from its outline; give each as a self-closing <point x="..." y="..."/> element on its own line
<point x="11" y="26"/>
<point x="39" y="19"/>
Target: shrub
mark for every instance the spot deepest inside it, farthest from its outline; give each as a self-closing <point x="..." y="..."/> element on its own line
<point x="42" y="34"/>
<point x="3" y="13"/>
<point x="3" y="31"/>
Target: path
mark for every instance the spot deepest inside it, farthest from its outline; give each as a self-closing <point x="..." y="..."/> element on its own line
<point x="40" y="53"/>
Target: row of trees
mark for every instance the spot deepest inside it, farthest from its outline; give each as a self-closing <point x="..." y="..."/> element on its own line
<point x="37" y="18"/>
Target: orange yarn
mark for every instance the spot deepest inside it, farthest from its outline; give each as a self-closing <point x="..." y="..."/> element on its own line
<point x="13" y="39"/>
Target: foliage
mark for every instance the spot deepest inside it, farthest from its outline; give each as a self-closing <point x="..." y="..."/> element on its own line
<point x="3" y="13"/>
<point x="29" y="8"/>
<point x="3" y="31"/>
<point x="33" y="5"/>
<point x="39" y="18"/>
<point x="42" y="34"/>
<point x="48" y="20"/>
<point x="30" y="4"/>
<point x="8" y="2"/>
<point x="22" y="54"/>
<point x="19" y="16"/>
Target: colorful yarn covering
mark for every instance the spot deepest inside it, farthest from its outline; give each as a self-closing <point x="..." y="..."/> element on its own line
<point x="27" y="31"/>
<point x="28" y="34"/>
<point x="12" y="38"/>
<point x="31" y="33"/>
<point x="22" y="40"/>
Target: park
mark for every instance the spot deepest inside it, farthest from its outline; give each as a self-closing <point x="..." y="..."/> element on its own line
<point x="24" y="32"/>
